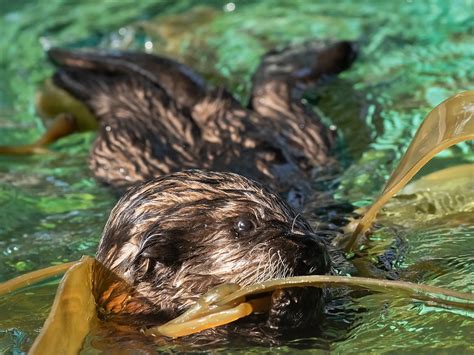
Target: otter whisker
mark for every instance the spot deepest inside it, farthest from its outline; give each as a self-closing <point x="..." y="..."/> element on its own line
<point x="293" y="223"/>
<point x="284" y="269"/>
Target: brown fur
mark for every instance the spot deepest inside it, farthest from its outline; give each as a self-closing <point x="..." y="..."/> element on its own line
<point x="157" y="116"/>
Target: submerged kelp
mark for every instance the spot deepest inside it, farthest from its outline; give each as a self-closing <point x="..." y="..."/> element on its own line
<point x="413" y="55"/>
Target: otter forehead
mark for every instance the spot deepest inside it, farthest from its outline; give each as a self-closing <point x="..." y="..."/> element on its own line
<point x="211" y="191"/>
<point x="186" y="201"/>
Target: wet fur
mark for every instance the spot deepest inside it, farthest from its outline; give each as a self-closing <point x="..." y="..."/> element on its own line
<point x="158" y="117"/>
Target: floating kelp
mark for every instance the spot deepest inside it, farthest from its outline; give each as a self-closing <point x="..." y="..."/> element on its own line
<point x="449" y="123"/>
<point x="62" y="115"/>
<point x="74" y="309"/>
<point x="435" y="196"/>
<point x="72" y="314"/>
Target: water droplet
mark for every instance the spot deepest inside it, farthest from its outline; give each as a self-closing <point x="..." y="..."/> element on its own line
<point x="149" y="46"/>
<point x="229" y="7"/>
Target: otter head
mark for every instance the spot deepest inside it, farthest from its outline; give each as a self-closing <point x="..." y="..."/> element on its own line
<point x="173" y="238"/>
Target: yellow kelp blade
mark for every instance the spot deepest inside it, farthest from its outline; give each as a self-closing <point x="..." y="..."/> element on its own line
<point x="206" y="321"/>
<point x="52" y="101"/>
<point x="451" y="122"/>
<point x="72" y="314"/>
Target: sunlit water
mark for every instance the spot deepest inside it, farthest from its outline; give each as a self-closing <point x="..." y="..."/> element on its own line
<point x="413" y="56"/>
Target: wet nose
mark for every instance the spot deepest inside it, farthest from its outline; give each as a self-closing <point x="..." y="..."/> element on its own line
<point x="312" y="257"/>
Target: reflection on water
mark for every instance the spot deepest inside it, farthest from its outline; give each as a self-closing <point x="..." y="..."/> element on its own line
<point x="413" y="55"/>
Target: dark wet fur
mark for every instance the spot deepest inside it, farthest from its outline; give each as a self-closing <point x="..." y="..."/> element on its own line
<point x="174" y="237"/>
<point x="157" y="116"/>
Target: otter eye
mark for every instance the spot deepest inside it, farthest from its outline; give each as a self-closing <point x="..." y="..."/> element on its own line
<point x="244" y="225"/>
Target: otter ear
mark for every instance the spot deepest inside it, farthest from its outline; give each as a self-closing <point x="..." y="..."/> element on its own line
<point x="163" y="248"/>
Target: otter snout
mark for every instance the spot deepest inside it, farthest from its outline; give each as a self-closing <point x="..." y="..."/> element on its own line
<point x="312" y="257"/>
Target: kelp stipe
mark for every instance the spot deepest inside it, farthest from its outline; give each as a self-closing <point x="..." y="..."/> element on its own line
<point x="34" y="277"/>
<point x="62" y="115"/>
<point x="222" y="305"/>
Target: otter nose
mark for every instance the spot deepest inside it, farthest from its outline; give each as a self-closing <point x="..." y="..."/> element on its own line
<point x="312" y="257"/>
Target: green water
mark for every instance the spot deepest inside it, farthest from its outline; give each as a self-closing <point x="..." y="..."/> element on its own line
<point x="413" y="55"/>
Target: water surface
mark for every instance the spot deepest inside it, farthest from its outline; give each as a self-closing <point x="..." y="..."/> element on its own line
<point x="413" y="55"/>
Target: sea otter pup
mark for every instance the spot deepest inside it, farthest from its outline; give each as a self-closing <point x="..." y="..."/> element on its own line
<point x="157" y="116"/>
<point x="173" y="238"/>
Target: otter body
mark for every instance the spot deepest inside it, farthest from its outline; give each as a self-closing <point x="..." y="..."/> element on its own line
<point x="157" y="116"/>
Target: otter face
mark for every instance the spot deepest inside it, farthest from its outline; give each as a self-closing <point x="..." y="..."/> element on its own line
<point x="174" y="237"/>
